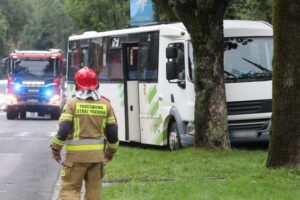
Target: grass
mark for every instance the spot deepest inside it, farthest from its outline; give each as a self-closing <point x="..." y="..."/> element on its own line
<point x="149" y="174"/>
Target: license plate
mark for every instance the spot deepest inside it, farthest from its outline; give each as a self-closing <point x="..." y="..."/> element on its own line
<point x="244" y="133"/>
<point x="33" y="90"/>
<point x="32" y="100"/>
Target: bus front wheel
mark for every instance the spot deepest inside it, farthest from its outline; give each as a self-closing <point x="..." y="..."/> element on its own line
<point x="173" y="138"/>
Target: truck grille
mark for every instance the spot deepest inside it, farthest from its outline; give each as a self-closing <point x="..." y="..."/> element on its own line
<point x="248" y="107"/>
<point x="249" y="124"/>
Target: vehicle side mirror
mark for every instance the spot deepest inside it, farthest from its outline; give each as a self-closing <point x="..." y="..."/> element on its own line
<point x="171" y="52"/>
<point x="172" y="70"/>
<point x="4" y="66"/>
<point x="64" y="66"/>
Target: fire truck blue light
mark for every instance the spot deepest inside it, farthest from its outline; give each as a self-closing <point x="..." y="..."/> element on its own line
<point x="48" y="92"/>
<point x="17" y="87"/>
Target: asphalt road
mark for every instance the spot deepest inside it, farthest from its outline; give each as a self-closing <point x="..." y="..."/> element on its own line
<point x="27" y="171"/>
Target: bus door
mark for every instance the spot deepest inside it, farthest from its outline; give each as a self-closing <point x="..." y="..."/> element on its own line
<point x="132" y="110"/>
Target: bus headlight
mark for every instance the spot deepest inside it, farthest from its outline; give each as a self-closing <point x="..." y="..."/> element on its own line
<point x="190" y="128"/>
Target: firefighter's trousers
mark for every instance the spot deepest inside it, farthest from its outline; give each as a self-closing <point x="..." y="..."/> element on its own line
<point x="72" y="176"/>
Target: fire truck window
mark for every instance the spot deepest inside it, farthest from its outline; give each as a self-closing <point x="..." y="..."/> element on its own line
<point x="35" y="68"/>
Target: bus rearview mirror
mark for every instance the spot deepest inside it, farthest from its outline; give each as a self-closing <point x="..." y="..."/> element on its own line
<point x="171" y="52"/>
<point x="171" y="70"/>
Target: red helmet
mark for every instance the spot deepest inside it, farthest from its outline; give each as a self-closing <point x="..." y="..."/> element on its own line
<point x="86" y="79"/>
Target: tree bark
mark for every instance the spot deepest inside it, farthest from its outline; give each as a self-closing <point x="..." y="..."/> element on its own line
<point x="284" y="148"/>
<point x="204" y="21"/>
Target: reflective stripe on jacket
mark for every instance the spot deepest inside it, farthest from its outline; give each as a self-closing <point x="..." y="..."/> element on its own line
<point x="85" y="142"/>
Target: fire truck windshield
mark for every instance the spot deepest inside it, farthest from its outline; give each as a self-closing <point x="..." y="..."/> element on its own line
<point x="35" y="67"/>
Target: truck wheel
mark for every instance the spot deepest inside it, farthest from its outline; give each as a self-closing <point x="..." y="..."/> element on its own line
<point x="11" y="114"/>
<point x="173" y="138"/>
<point x="23" y="114"/>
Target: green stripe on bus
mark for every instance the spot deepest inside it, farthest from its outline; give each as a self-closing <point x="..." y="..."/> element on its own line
<point x="161" y="137"/>
<point x="157" y="123"/>
<point x="154" y="109"/>
<point x="152" y="93"/>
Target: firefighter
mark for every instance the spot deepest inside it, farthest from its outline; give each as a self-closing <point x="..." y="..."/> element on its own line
<point x="88" y="128"/>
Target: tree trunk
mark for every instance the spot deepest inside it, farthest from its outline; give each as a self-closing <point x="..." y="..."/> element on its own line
<point x="204" y="21"/>
<point x="284" y="148"/>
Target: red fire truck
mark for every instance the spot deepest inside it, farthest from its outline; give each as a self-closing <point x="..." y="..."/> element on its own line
<point x="35" y="83"/>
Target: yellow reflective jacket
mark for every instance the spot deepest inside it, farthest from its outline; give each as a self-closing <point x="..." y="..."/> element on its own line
<point x="86" y="139"/>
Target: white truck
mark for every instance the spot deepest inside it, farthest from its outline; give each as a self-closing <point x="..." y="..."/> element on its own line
<point x="152" y="110"/>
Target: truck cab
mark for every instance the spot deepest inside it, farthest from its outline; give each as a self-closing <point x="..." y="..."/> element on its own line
<point x="34" y="83"/>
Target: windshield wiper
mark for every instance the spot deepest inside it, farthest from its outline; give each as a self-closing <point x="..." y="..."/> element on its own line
<point x="230" y="74"/>
<point x="258" y="66"/>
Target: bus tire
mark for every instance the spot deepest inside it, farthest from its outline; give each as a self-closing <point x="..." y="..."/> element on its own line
<point x="173" y="138"/>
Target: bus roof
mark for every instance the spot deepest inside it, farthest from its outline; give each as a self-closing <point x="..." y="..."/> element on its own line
<point x="232" y="28"/>
<point x="244" y="28"/>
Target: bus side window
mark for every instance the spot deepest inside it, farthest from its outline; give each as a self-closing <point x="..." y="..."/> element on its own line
<point x="148" y="57"/>
<point x="73" y="59"/>
<point x="114" y="63"/>
<point x="180" y="59"/>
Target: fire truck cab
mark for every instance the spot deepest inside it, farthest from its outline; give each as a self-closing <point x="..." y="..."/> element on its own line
<point x="35" y="82"/>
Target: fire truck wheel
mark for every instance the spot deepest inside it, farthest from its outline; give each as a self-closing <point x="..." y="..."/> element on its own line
<point x="173" y="138"/>
<point x="11" y="114"/>
<point x="23" y="114"/>
<point x="55" y="115"/>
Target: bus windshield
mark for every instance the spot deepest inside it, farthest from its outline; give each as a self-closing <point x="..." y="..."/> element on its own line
<point x="247" y="59"/>
<point x="35" y="67"/>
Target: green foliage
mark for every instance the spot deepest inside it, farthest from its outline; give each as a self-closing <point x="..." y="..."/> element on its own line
<point x="16" y="14"/>
<point x="98" y="15"/>
<point x="3" y="34"/>
<point x="48" y="28"/>
<point x="197" y="174"/>
<point x="250" y="10"/>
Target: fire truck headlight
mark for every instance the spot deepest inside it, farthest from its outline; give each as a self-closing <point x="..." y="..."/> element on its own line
<point x="48" y="92"/>
<point x="55" y="100"/>
<point x="11" y="99"/>
<point x="191" y="128"/>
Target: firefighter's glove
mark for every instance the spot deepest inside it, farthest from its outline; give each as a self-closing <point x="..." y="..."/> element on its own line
<point x="55" y="154"/>
<point x="109" y="154"/>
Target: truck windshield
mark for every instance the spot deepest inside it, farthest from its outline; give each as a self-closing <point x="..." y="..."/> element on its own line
<point x="245" y="59"/>
<point x="35" y="67"/>
<point x="248" y="59"/>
